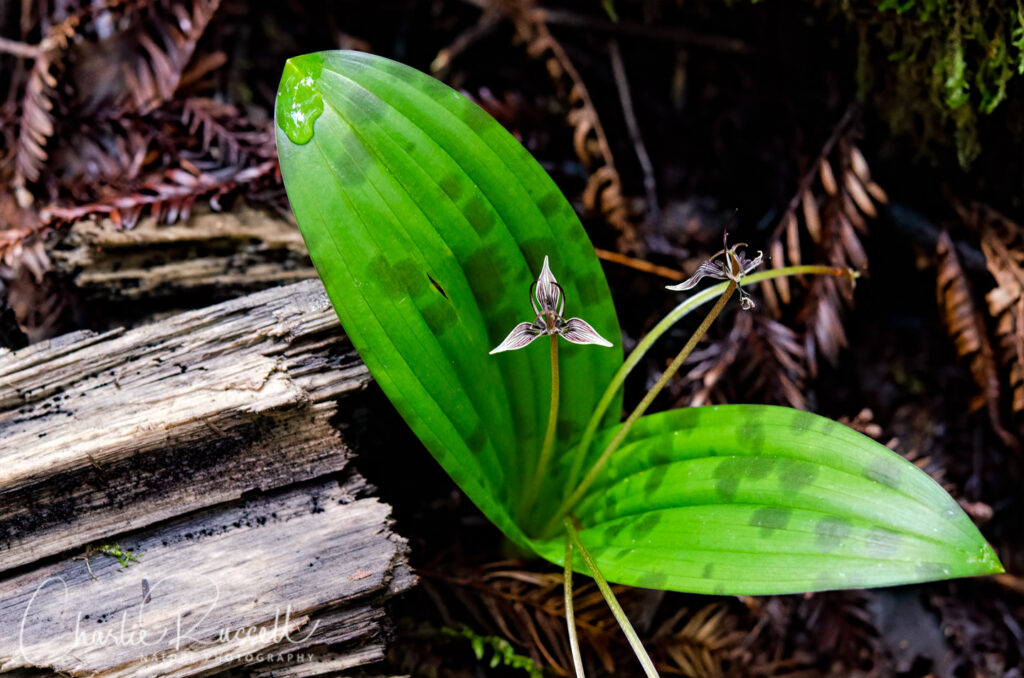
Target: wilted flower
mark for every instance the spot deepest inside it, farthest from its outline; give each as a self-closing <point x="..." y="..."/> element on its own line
<point x="548" y="301"/>
<point x="733" y="267"/>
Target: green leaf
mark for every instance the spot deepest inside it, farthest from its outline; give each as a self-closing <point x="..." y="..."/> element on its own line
<point x="428" y="222"/>
<point x="748" y="499"/>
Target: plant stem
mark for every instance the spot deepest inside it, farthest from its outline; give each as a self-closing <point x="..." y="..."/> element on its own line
<point x="638" y="412"/>
<point x="549" y="436"/>
<point x="570" y="613"/>
<point x="674" y="316"/>
<point x="609" y="597"/>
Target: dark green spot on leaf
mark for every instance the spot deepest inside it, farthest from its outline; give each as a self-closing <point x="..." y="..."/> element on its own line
<point x="802" y="421"/>
<point x="831" y="532"/>
<point x="796" y="475"/>
<point x="654" y="480"/>
<point x="652" y="580"/>
<point x="882" y="543"/>
<point x="477" y="440"/>
<point x="769" y="519"/>
<point x="757" y="468"/>
<point x="644" y="526"/>
<point x="451" y="186"/>
<point x="479" y="217"/>
<point x="752" y="435"/>
<point x="685" y="419"/>
<point x="613" y="530"/>
<point x="884" y="471"/>
<point x="550" y="203"/>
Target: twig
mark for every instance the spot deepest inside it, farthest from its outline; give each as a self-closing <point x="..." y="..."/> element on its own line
<point x="622" y="83"/>
<point x="488" y="22"/>
<point x="603" y="192"/>
<point x="640" y="264"/>
<point x="537" y="18"/>
<point x="1011" y="582"/>
<point x="561" y="17"/>
<point x="85" y="556"/>
<point x="21" y="49"/>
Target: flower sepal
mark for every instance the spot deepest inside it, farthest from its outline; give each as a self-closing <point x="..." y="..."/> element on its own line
<point x="548" y="301"/>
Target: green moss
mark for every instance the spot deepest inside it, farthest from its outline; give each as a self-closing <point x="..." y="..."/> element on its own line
<point x="123" y="556"/>
<point x="951" y="60"/>
<point x="502" y="651"/>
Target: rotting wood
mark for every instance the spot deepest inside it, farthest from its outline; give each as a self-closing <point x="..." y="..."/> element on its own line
<point x="167" y="418"/>
<point x="208" y="442"/>
<point x="258" y="583"/>
<point x="220" y="253"/>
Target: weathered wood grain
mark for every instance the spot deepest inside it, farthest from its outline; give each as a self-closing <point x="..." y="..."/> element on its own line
<point x="100" y="434"/>
<point x="220" y="253"/>
<point x="209" y="443"/>
<point x="260" y="583"/>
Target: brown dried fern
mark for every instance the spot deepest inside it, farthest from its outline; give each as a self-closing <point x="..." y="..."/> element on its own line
<point x="823" y="223"/>
<point x="833" y="203"/>
<point x="36" y="125"/>
<point x="773" y="364"/>
<point x="169" y="196"/>
<point x="698" y="644"/>
<point x="526" y="607"/>
<point x="788" y="626"/>
<point x="603" y="193"/>
<point x="1002" y="242"/>
<point x="711" y="363"/>
<point x="970" y="335"/>
<point x="164" y="51"/>
<point x="223" y="131"/>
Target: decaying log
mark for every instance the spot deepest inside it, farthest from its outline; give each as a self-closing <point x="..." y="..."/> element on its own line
<point x="222" y="254"/>
<point x="168" y="417"/>
<point x="221" y="588"/>
<point x="207" y="441"/>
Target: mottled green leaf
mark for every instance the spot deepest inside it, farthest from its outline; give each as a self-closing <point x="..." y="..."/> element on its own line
<point x="427" y="222"/>
<point x="747" y="499"/>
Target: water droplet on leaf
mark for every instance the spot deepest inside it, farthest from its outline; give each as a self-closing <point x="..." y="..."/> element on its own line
<point x="299" y="102"/>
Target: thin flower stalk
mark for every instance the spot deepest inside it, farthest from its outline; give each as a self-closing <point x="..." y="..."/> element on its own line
<point x="675" y="315"/>
<point x="548" y="301"/>
<point x="638" y="412"/>
<point x="533" y="487"/>
<point x="609" y="598"/>
<point x="570" y="612"/>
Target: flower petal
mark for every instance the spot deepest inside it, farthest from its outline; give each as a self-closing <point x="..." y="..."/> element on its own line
<point x="705" y="270"/>
<point x="580" y="332"/>
<point x="749" y="265"/>
<point x="520" y="336"/>
<point x="549" y="294"/>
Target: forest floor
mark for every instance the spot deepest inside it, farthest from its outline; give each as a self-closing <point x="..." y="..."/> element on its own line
<point x="664" y="128"/>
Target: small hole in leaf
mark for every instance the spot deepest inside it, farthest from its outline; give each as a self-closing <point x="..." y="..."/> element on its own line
<point x="437" y="286"/>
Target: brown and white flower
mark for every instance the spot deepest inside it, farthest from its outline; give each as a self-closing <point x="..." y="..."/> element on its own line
<point x="548" y="300"/>
<point x="733" y="267"/>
